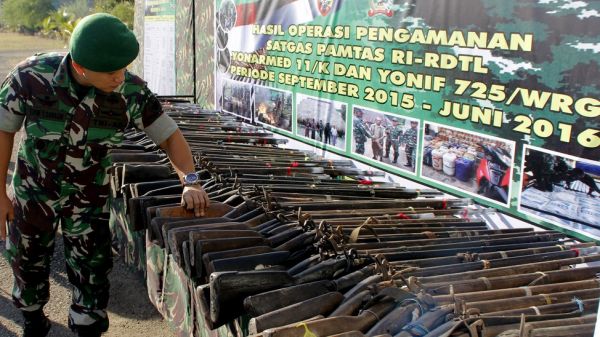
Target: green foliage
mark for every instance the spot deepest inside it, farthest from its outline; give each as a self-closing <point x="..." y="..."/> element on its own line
<point x="25" y="14"/>
<point x="125" y="12"/>
<point x="59" y="25"/>
<point x="40" y="16"/>
<point x="79" y="8"/>
<point x="123" y="9"/>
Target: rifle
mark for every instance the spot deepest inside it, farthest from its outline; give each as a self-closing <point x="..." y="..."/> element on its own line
<point x="228" y="289"/>
<point x="335" y="325"/>
<point x="512" y="270"/>
<point x="505" y="281"/>
<point x="474" y="256"/>
<point x="269" y="301"/>
<point x="319" y="305"/>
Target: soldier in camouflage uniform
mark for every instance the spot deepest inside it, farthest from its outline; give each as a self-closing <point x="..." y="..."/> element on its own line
<point x="73" y="109"/>
<point x="360" y="131"/>
<point x="410" y="139"/>
<point x="394" y="138"/>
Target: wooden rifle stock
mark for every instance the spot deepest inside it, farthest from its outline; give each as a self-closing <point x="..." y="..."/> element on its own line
<point x="214" y="209"/>
<point x="512" y="270"/>
<point x="518" y="292"/>
<point x="413" y="253"/>
<point x="351" y="305"/>
<point x="508" y="281"/>
<point x="362" y="285"/>
<point x="472" y="256"/>
<point x="228" y="289"/>
<point x="576" y="306"/>
<point x="335" y="325"/>
<point x="487" y="264"/>
<point x="440" y="241"/>
<point x="348" y="281"/>
<point x="249" y="262"/>
<point x="540" y="328"/>
<point x="265" y="302"/>
<point x="319" y="305"/>
<point x="533" y="300"/>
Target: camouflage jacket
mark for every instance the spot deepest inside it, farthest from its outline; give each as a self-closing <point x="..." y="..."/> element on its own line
<point x="361" y="133"/>
<point x="64" y="147"/>
<point x="396" y="133"/>
<point x="410" y="137"/>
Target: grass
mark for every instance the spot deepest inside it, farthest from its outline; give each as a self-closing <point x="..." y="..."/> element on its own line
<point x="16" y="47"/>
<point x="18" y="42"/>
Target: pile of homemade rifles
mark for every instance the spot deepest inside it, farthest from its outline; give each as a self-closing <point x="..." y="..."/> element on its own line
<point x="294" y="245"/>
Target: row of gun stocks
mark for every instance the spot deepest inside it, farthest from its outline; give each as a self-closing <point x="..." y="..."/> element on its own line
<point x="301" y="246"/>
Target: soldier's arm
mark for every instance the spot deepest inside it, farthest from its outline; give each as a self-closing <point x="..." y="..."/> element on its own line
<point x="11" y="119"/>
<point x="181" y="158"/>
<point x="164" y="131"/>
<point x="6" y="209"/>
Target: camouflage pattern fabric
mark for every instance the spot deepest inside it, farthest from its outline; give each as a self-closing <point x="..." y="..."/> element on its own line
<point x="360" y="135"/>
<point x="61" y="178"/>
<point x="205" y="55"/>
<point x="155" y="268"/>
<point x="132" y="243"/>
<point x="177" y="299"/>
<point x="395" y="139"/>
<point x="410" y="139"/>
<point x="184" y="52"/>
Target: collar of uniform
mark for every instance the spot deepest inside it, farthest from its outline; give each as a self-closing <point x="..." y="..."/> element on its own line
<point x="61" y="76"/>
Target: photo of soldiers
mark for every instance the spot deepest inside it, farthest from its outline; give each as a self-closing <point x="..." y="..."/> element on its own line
<point x="385" y="133"/>
<point x="320" y="119"/>
<point x="410" y="141"/>
<point x="360" y="131"/>
<point x="394" y="136"/>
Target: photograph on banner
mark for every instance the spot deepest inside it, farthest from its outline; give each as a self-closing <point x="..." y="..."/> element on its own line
<point x="387" y="138"/>
<point x="222" y="38"/>
<point x="236" y="98"/>
<point x="478" y="164"/>
<point x="223" y="60"/>
<point x="560" y="189"/>
<point x="322" y="120"/>
<point x="273" y="107"/>
<point x="227" y="15"/>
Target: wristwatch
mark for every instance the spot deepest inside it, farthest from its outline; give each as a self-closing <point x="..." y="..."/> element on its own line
<point x="191" y="179"/>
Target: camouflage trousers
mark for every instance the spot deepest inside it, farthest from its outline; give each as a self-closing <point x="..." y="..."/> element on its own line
<point x="88" y="255"/>
<point x="410" y="155"/>
<point x="360" y="147"/>
<point x="394" y="145"/>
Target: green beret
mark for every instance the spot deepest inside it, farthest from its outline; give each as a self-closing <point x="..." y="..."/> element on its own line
<point x="103" y="43"/>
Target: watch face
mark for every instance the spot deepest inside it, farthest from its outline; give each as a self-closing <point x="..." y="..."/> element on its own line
<point x="191" y="178"/>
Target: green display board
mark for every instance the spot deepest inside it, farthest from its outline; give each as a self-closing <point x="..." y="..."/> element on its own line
<point x="493" y="100"/>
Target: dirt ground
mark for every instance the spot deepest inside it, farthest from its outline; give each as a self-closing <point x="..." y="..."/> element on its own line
<point x="130" y="311"/>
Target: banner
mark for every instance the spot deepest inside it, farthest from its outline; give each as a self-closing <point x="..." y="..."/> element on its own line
<point x="493" y="100"/>
<point x="159" y="46"/>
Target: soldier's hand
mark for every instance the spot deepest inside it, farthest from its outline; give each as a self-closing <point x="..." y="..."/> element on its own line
<point x="194" y="197"/>
<point x="7" y="214"/>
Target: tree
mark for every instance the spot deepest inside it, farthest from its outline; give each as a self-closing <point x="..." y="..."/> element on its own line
<point x="123" y="9"/>
<point x="25" y="14"/>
